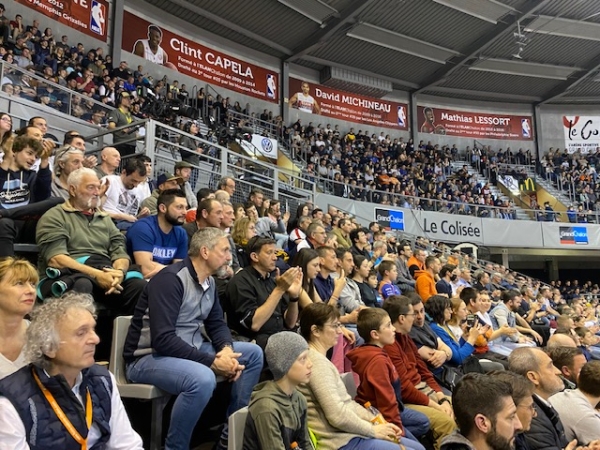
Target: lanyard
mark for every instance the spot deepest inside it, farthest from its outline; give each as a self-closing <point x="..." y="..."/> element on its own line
<point x="62" y="416"/>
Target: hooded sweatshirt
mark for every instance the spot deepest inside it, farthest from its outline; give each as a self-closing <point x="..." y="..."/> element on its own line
<point x="23" y="187"/>
<point x="379" y="382"/>
<point x="425" y="285"/>
<point x="456" y="441"/>
<point x="275" y="419"/>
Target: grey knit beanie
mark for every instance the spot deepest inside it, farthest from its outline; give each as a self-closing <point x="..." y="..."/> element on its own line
<point x="282" y="350"/>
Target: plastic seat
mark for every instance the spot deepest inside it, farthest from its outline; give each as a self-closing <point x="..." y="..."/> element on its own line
<point x="348" y="379"/>
<point x="135" y="390"/>
<point x="237" y="423"/>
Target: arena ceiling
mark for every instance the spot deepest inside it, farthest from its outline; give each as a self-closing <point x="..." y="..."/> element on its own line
<point x="522" y="51"/>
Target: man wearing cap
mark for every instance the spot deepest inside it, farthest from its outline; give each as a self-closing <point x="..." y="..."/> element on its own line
<point x="183" y="169"/>
<point x="120" y="117"/>
<point x="165" y="181"/>
<point x="159" y="240"/>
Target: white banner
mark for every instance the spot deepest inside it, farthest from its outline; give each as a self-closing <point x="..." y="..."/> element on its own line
<point x="266" y="146"/>
<point x="581" y="133"/>
<point x="260" y="145"/>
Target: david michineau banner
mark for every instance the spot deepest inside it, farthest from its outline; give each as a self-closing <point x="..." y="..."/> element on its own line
<point x="163" y="46"/>
<point x="87" y="16"/>
<point x="318" y="99"/>
<point x="474" y="124"/>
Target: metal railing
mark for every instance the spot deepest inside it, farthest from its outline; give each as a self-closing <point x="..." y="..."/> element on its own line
<point x="23" y="84"/>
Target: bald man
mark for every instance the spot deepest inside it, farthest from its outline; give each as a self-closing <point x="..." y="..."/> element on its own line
<point x="110" y="160"/>
<point x="561" y="340"/>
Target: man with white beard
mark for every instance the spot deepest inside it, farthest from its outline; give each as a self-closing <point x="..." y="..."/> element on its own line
<point x="85" y="247"/>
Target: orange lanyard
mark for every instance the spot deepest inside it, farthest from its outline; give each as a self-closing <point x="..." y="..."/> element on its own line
<point x="62" y="416"/>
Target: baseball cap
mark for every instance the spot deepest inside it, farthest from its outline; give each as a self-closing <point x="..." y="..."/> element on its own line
<point x="183" y="165"/>
<point x="164" y="177"/>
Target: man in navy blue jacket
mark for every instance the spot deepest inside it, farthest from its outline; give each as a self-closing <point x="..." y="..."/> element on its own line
<point x="21" y="186"/>
<point x="179" y="341"/>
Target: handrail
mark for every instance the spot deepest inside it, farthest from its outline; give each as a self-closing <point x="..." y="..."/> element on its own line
<point x="6" y="66"/>
<point x="439" y="204"/>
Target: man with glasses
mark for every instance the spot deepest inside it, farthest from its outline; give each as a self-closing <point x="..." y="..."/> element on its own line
<point x="260" y="302"/>
<point x="315" y="237"/>
<point x="227" y="184"/>
<point x="420" y="391"/>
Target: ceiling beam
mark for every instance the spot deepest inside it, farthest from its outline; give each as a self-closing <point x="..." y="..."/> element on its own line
<point x="326" y="33"/>
<point x="492" y="96"/>
<point x="474" y="49"/>
<point x="232" y="26"/>
<point x="368" y="73"/>
<point x="564" y="88"/>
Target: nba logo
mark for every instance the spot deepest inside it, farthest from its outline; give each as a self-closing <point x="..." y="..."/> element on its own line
<point x="97" y="17"/>
<point x="525" y="128"/>
<point x="401" y="117"/>
<point x="271" y="87"/>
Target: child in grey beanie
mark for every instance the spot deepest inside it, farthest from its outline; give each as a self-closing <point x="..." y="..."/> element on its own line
<point x="282" y="350"/>
<point x="277" y="410"/>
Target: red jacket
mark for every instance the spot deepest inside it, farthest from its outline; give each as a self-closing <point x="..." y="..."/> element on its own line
<point x="411" y="370"/>
<point x="379" y="382"/>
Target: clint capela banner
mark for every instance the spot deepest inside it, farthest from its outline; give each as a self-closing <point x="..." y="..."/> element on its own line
<point x="318" y="99"/>
<point x="167" y="48"/>
<point x="474" y="124"/>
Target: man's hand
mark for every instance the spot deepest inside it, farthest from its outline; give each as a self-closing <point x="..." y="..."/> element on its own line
<point x="351" y="317"/>
<point x="144" y="212"/>
<point x="130" y="218"/>
<point x="447" y="408"/>
<point x="507" y="331"/>
<point x="348" y="335"/>
<point x="386" y="431"/>
<point x="227" y="365"/>
<point x="90" y="161"/>
<point x="296" y="287"/>
<point x="438" y="358"/>
<point x="47" y="148"/>
<point x="339" y="283"/>
<point x="285" y="281"/>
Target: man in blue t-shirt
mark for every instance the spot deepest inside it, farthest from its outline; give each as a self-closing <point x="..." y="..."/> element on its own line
<point x="157" y="241"/>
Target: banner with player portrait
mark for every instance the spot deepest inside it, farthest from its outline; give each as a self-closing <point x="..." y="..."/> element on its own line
<point x="165" y="47"/>
<point x="87" y="16"/>
<point x="474" y="124"/>
<point x="318" y="99"/>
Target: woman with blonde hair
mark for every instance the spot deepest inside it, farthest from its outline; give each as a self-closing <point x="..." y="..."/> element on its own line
<point x="243" y="230"/>
<point x="18" y="279"/>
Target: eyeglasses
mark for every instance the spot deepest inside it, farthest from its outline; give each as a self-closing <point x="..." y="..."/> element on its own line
<point x="336" y="325"/>
<point x="530" y="407"/>
<point x="7" y="120"/>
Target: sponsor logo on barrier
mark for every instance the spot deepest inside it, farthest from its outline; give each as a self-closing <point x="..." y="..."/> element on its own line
<point x="573" y="235"/>
<point x="390" y="220"/>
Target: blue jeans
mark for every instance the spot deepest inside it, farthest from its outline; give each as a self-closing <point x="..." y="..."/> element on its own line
<point x="358" y="443"/>
<point x="415" y="423"/>
<point x="193" y="384"/>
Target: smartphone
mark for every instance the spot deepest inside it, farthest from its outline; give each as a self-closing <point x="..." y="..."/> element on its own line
<point x="471" y="320"/>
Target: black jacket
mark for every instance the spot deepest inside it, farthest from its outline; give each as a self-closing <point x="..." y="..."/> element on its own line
<point x="546" y="432"/>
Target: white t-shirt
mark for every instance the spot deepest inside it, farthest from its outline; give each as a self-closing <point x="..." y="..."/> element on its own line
<point x="119" y="199"/>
